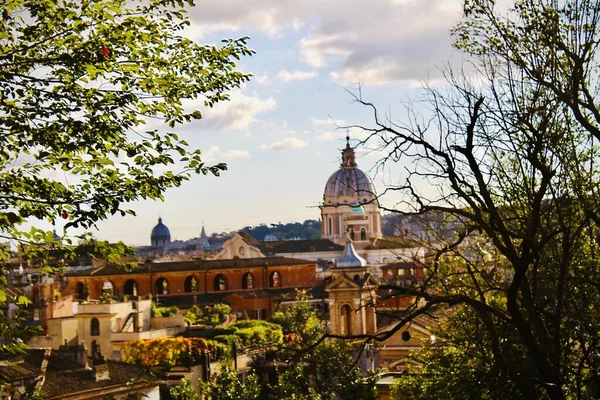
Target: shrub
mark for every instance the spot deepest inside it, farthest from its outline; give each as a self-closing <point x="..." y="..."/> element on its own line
<point x="158" y="312"/>
<point x="167" y="352"/>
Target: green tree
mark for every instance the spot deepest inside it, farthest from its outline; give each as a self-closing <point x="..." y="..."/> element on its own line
<point x="317" y="367"/>
<point x="510" y="157"/>
<point x="183" y="391"/>
<point x="460" y="364"/>
<point x="79" y="80"/>
<point x="228" y="385"/>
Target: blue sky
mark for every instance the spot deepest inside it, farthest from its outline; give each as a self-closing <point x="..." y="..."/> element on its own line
<point x="277" y="133"/>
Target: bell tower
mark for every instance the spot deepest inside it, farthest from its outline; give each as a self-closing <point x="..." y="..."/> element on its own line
<point x="352" y="296"/>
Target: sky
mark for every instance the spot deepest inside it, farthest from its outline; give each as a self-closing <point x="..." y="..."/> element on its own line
<point x="280" y="132"/>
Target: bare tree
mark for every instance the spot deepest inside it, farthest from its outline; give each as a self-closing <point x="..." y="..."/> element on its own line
<point x="508" y="153"/>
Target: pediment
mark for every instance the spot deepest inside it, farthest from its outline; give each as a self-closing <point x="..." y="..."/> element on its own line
<point x="370" y="280"/>
<point x="231" y="248"/>
<point x="343" y="282"/>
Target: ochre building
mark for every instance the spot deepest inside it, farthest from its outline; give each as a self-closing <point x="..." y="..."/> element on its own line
<point x="253" y="287"/>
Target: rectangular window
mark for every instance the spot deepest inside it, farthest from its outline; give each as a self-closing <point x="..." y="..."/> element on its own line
<point x="36" y="314"/>
<point x="260" y="313"/>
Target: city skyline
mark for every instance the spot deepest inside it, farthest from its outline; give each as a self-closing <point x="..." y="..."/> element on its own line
<point x="280" y="133"/>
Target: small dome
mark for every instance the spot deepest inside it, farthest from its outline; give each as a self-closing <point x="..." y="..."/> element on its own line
<point x="358" y="210"/>
<point x="350" y="259"/>
<point x="160" y="231"/>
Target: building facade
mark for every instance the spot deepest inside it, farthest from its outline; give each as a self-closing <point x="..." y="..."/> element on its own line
<point x="252" y="286"/>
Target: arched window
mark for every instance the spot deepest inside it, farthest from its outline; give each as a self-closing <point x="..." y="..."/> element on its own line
<point x="275" y="279"/>
<point x="351" y="233"/>
<point x="363" y="234"/>
<point x="346" y="320"/>
<point x="190" y="284"/>
<point x="220" y="282"/>
<point x="130" y="288"/>
<point x="330" y="226"/>
<point x="95" y="327"/>
<point x="248" y="281"/>
<point x="161" y="286"/>
<point x="82" y="292"/>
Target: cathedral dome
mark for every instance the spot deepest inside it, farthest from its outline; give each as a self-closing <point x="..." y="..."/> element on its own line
<point x="350" y="182"/>
<point x="160" y="236"/>
<point x="160" y="229"/>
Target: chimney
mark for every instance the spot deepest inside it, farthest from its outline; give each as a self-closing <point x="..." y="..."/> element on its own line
<point x="99" y="366"/>
<point x="100" y="369"/>
<point x="45" y="360"/>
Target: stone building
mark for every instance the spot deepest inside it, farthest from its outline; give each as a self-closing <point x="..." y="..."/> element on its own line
<point x="106" y="326"/>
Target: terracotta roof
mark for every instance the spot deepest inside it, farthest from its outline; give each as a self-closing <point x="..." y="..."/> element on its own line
<point x="299" y="246"/>
<point x="403" y="265"/>
<point x="427" y="322"/>
<point x="194" y="265"/>
<point x="391" y="242"/>
<point x="248" y="239"/>
<point x="66" y="378"/>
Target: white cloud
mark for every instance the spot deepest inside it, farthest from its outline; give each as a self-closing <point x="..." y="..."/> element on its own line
<point x="239" y="113"/>
<point x="287" y="143"/>
<point x="214" y="153"/>
<point x="315" y="51"/>
<point x="261" y="79"/>
<point x="325" y="136"/>
<point x="377" y="42"/>
<point x="231" y="154"/>
<point x="287" y="76"/>
<point x="211" y="153"/>
<point x="329" y="122"/>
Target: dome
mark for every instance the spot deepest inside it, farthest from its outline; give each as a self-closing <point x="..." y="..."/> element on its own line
<point x="350" y="259"/>
<point x="160" y="231"/>
<point x="358" y="210"/>
<point x="350" y="182"/>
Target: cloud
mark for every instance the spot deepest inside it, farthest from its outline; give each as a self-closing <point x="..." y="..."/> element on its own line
<point x="237" y="114"/>
<point x="340" y="134"/>
<point x="209" y="155"/>
<point x="261" y="79"/>
<point x="231" y="154"/>
<point x="287" y="76"/>
<point x="377" y="42"/>
<point x="315" y="51"/>
<point x="214" y="153"/>
<point x="328" y="122"/>
<point x="325" y="137"/>
<point x="287" y="143"/>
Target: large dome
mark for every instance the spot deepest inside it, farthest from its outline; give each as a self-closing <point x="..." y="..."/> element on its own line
<point x="350" y="182"/>
<point x="160" y="231"/>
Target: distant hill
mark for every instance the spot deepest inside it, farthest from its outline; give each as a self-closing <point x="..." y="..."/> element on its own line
<point x="309" y="229"/>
